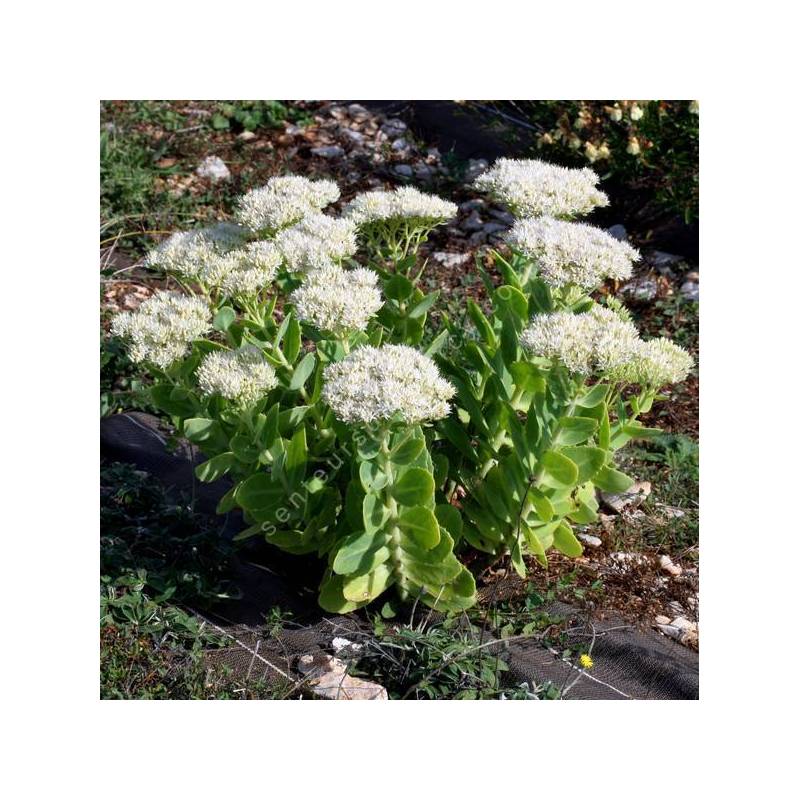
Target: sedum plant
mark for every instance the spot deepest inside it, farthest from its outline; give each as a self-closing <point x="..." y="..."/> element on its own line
<point x="348" y="432"/>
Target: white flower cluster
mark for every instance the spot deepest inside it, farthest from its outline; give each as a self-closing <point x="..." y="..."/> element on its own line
<point x="241" y="376"/>
<point x="572" y="252"/>
<point x="163" y="326"/>
<point x="243" y="272"/>
<point x="316" y="241"/>
<point x="403" y="203"/>
<point x="189" y="253"/>
<point x="375" y="383"/>
<point x="532" y="188"/>
<point x="656" y="363"/>
<point x="337" y="300"/>
<point x="283" y="201"/>
<point x="599" y="340"/>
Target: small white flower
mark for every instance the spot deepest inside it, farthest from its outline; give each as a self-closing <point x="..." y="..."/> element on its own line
<point x="572" y="252"/>
<point x="189" y="253"/>
<point x="637" y="112"/>
<point x="283" y="201"/>
<point x="598" y="341"/>
<point x="376" y="383"/>
<point x="243" y="272"/>
<point x="533" y="188"/>
<point x="242" y="376"/>
<point x="162" y="328"/>
<point x="563" y="337"/>
<point x="634" y="148"/>
<point x="614" y="338"/>
<point x="656" y="363"/>
<point x="405" y="203"/>
<point x="316" y="241"/>
<point x="337" y="300"/>
<point x="694" y="107"/>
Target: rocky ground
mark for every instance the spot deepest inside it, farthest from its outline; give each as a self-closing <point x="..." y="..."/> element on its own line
<point x="642" y="558"/>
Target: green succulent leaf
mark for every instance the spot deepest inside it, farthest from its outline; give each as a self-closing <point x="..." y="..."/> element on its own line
<point x="611" y="480"/>
<point x="594" y="396"/>
<point x="588" y="460"/>
<point x="215" y="468"/>
<point x="559" y="467"/>
<point x="576" y="430"/>
<point x="360" y="552"/>
<point x="415" y="488"/>
<point x="407" y="452"/>
<point x="564" y="540"/>
<point x="420" y="524"/>
<point x="223" y="319"/>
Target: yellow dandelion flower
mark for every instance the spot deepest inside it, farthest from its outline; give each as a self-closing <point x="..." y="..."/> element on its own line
<point x="586" y="661"/>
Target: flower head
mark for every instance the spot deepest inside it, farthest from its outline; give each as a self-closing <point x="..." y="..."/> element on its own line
<point x="376" y="383"/>
<point x="563" y="337"/>
<point x="586" y="661"/>
<point x="241" y="376"/>
<point x="407" y="203"/>
<point x="655" y="363"/>
<point x="189" y="253"/>
<point x="337" y="300"/>
<point x="162" y="328"/>
<point x="572" y="252"/>
<point x="599" y="341"/>
<point x="283" y="201"/>
<point x="243" y="272"/>
<point x="316" y="241"/>
<point x="532" y="188"/>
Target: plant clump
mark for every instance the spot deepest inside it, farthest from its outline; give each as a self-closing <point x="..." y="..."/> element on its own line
<point x="310" y="382"/>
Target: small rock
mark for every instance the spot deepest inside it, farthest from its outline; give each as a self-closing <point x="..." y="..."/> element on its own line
<point x="423" y="172"/>
<point x="394" y="128"/>
<point x="666" y="564"/>
<point x="404" y="170"/>
<point x="662" y="620"/>
<point x="681" y="630"/>
<point x="589" y="540"/>
<point x="328" y="679"/>
<point x="328" y="151"/>
<point x="692" y="276"/>
<point x="618" y="232"/>
<point x="691" y="291"/>
<point x="661" y="260"/>
<point x="354" y="136"/>
<point x="340" y="643"/>
<point x="473" y="222"/>
<point x="475" y="167"/>
<point x="629" y="559"/>
<point x="638" y="492"/>
<point x="472" y="205"/>
<point x="477" y="238"/>
<point x="433" y="154"/>
<point x="502" y="216"/>
<point x="357" y="111"/>
<point x="641" y="290"/>
<point x="246" y="136"/>
<point x="451" y="260"/>
<point x="399" y="144"/>
<point x="293" y="130"/>
<point x="494" y="227"/>
<point x="214" y="169"/>
<point x="671" y="512"/>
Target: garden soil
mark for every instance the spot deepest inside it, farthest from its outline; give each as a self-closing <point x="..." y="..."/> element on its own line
<point x="629" y="662"/>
